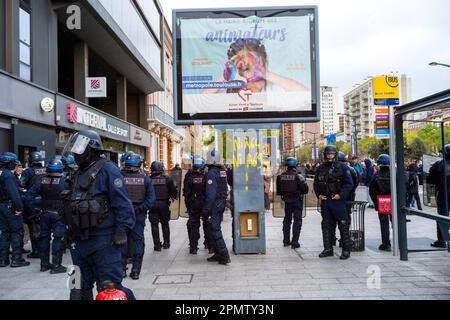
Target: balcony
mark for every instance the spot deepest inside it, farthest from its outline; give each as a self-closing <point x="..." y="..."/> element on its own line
<point x="162" y="122"/>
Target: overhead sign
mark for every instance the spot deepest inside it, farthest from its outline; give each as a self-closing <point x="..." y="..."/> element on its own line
<point x="76" y="116"/>
<point x="246" y="66"/>
<point x="96" y="88"/>
<point x="386" y="91"/>
<point x="139" y="136"/>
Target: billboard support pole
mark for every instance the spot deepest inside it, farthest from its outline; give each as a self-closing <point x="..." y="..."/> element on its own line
<point x="392" y="152"/>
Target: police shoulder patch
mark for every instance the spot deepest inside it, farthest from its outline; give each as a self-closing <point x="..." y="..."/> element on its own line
<point x="118" y="183"/>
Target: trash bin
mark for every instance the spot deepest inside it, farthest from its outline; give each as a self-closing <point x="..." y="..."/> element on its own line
<point x="357" y="236"/>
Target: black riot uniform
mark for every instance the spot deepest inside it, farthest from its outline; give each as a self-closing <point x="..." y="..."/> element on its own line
<point x="28" y="178"/>
<point x="49" y="188"/>
<point x="291" y="186"/>
<point x="99" y="214"/>
<point x="438" y="171"/>
<point x="381" y="185"/>
<point x="194" y="197"/>
<point x="333" y="184"/>
<point x="11" y="207"/>
<point x="142" y="195"/>
<point x="164" y="190"/>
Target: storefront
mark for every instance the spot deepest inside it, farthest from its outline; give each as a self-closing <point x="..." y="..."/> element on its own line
<point x="117" y="135"/>
<point x="28" y="120"/>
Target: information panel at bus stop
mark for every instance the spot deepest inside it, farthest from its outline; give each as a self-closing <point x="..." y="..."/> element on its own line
<point x="251" y="65"/>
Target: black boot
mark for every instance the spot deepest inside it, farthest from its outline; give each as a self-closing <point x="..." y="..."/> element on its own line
<point x="45" y="263"/>
<point x="166" y="235"/>
<point x="18" y="262"/>
<point x="216" y="257"/>
<point x="155" y="234"/>
<point x="327" y="244"/>
<point x="57" y="264"/>
<point x="286" y="237"/>
<point x="295" y="237"/>
<point x="193" y="250"/>
<point x="157" y="247"/>
<point x="439" y="244"/>
<point x="224" y="259"/>
<point x="135" y="274"/>
<point x="344" y="229"/>
<point x="4" y="260"/>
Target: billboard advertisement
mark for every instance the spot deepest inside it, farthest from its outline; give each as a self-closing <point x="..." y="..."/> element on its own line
<point x="246" y="65"/>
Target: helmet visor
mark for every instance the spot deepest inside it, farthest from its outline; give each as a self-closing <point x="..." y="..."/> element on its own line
<point x="77" y="144"/>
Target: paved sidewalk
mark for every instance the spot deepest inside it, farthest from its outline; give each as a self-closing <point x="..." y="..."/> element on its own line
<point x="282" y="273"/>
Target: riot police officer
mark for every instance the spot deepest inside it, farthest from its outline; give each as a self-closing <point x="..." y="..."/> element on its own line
<point x="122" y="160"/>
<point x="142" y="195"/>
<point x="332" y="185"/>
<point x="216" y="192"/>
<point x="381" y="185"/>
<point x="291" y="186"/>
<point x="11" y="208"/>
<point x="49" y="188"/>
<point x="34" y="172"/>
<point x="352" y="195"/>
<point x="69" y="166"/>
<point x="130" y="243"/>
<point x="194" y="198"/>
<point x="436" y="177"/>
<point x="99" y="214"/>
<point x="164" y="190"/>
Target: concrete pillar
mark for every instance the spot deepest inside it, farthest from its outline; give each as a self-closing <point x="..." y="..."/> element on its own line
<point x="121" y="95"/>
<point x="81" y="70"/>
<point x="143" y="111"/>
<point x="12" y="37"/>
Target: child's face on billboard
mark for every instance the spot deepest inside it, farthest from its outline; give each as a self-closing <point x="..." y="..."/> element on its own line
<point x="246" y="61"/>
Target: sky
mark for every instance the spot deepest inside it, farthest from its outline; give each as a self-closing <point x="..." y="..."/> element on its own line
<point x="361" y="38"/>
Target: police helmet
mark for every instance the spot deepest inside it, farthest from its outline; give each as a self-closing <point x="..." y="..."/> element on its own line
<point x="291" y="162"/>
<point x="35" y="157"/>
<point x="55" y="168"/>
<point x="328" y="150"/>
<point x="342" y="157"/>
<point x="124" y="156"/>
<point x="9" y="159"/>
<point x="81" y="140"/>
<point x="133" y="160"/>
<point x="68" y="160"/>
<point x="213" y="158"/>
<point x="157" y="167"/>
<point x="384" y="160"/>
<point x="198" y="162"/>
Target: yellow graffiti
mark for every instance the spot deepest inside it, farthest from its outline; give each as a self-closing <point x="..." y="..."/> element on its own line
<point x="246" y="158"/>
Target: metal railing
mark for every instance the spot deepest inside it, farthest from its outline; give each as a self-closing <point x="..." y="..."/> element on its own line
<point x="158" y="114"/>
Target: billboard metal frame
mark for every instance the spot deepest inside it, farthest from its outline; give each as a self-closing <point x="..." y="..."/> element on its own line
<point x="253" y="116"/>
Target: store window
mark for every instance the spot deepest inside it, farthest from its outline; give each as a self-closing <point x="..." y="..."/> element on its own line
<point x="25" y="40"/>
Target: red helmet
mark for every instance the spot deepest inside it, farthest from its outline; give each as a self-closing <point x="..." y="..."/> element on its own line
<point x="111" y="293"/>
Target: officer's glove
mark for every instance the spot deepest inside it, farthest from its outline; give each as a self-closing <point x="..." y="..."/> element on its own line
<point x="120" y="239"/>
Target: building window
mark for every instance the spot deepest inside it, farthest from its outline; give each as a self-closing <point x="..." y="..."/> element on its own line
<point x="25" y="40"/>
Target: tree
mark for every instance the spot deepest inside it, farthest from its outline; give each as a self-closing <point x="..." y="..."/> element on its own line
<point x="416" y="149"/>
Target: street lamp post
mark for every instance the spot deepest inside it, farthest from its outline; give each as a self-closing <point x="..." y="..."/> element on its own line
<point x="314" y="143"/>
<point x="433" y="64"/>
<point x="355" y="133"/>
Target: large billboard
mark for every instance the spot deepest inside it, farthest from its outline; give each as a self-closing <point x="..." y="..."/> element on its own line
<point x="246" y="65"/>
